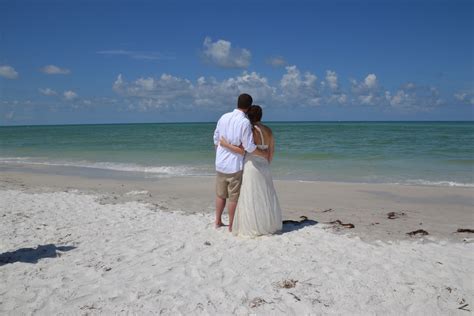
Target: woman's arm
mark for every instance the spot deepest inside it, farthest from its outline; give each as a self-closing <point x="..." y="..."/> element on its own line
<point x="271" y="149"/>
<point x="237" y="149"/>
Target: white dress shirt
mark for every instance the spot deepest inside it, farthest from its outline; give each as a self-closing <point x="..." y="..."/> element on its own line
<point x="236" y="129"/>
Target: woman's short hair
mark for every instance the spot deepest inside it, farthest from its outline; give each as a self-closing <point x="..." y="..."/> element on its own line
<point x="254" y="114"/>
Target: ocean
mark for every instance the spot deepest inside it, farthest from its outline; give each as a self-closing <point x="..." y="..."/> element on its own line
<point x="423" y="153"/>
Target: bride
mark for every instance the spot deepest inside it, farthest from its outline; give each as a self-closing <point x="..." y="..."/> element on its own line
<point x="258" y="210"/>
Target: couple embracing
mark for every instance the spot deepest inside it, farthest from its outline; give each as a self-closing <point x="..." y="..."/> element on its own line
<point x="244" y="151"/>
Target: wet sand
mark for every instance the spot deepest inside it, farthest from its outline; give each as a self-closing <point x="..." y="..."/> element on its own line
<point x="440" y="211"/>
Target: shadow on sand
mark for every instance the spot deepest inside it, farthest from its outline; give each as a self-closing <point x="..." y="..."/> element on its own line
<point x="32" y="255"/>
<point x="290" y="225"/>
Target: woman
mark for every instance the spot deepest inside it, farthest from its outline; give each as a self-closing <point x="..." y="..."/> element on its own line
<point x="258" y="210"/>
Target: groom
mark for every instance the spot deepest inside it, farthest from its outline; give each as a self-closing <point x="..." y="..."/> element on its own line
<point x="237" y="130"/>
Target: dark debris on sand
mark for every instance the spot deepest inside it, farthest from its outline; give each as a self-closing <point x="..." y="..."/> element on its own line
<point x="287" y="284"/>
<point x="256" y="302"/>
<point x="421" y="232"/>
<point x="394" y="215"/>
<point x="465" y="230"/>
<point x="339" y="223"/>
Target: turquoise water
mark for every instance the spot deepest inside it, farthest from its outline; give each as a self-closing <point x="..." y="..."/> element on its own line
<point x="434" y="153"/>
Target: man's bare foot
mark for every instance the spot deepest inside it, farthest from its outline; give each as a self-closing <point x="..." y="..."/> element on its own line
<point x="220" y="224"/>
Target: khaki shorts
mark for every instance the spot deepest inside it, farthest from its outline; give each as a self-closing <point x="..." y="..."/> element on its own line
<point x="228" y="185"/>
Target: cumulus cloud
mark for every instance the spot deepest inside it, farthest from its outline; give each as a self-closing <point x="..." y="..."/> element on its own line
<point x="276" y="61"/>
<point x="47" y="91"/>
<point x="300" y="88"/>
<point x="332" y="90"/>
<point x="368" y="84"/>
<point x="168" y="91"/>
<point x="8" y="72"/>
<point x="339" y="98"/>
<point x="222" y="54"/>
<point x="295" y="88"/>
<point x="414" y="98"/>
<point x="367" y="92"/>
<point x="331" y="79"/>
<point x="54" y="70"/>
<point x="370" y="81"/>
<point x="160" y="92"/>
<point x="70" y="95"/>
<point x="465" y="97"/>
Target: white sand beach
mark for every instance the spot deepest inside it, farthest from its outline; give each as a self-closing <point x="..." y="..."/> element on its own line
<point x="76" y="245"/>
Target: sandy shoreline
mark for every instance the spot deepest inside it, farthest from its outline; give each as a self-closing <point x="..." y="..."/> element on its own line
<point x="440" y="211"/>
<point x="77" y="245"/>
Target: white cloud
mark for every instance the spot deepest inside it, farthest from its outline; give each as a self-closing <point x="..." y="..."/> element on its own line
<point x="47" y="91"/>
<point x="369" y="84"/>
<point x="70" y="95"/>
<point x="370" y="81"/>
<point x="331" y="79"/>
<point x="8" y="72"/>
<point x="276" y="61"/>
<point x="294" y="89"/>
<point x="398" y="99"/>
<point x="333" y="94"/>
<point x="222" y="54"/>
<point x="338" y="98"/>
<point x="465" y="97"/>
<point x="414" y="98"/>
<point x="169" y="91"/>
<point x="150" y="92"/>
<point x="299" y="88"/>
<point x="368" y="91"/>
<point x="212" y="92"/>
<point x="118" y="84"/>
<point x="409" y="85"/>
<point x="54" y="70"/>
<point x="366" y="99"/>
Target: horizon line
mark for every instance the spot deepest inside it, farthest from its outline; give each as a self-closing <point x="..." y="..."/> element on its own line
<point x="276" y="121"/>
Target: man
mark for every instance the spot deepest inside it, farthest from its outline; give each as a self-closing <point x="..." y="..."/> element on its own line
<point x="237" y="130"/>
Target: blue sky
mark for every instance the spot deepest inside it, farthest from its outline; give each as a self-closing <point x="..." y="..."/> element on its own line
<point x="67" y="62"/>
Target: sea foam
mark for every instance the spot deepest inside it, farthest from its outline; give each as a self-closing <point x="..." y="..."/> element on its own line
<point x="159" y="171"/>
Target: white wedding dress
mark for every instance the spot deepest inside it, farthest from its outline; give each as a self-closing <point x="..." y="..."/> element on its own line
<point x="258" y="210"/>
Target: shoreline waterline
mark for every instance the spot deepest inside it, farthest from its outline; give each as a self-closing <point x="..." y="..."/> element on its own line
<point x="137" y="172"/>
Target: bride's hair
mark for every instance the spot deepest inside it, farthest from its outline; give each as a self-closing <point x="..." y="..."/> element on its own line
<point x="254" y="114"/>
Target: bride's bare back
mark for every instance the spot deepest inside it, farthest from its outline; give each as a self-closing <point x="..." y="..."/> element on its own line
<point x="267" y="138"/>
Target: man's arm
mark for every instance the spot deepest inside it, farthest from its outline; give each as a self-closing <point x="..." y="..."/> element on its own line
<point x="216" y="135"/>
<point x="249" y="144"/>
<point x="236" y="149"/>
<point x="247" y="139"/>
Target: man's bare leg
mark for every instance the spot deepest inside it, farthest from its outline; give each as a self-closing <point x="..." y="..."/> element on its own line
<point x="220" y="204"/>
<point x="232" y="206"/>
